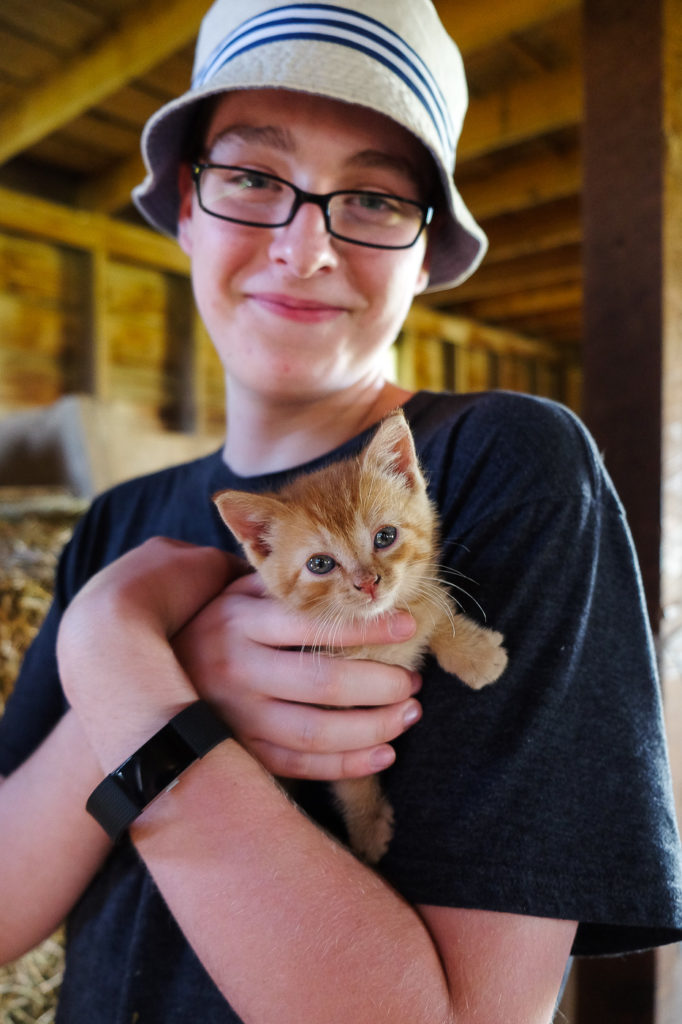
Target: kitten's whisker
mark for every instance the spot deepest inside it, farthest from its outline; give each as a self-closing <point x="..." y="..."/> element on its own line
<point x="432" y="590"/>
<point x="459" y="544"/>
<point x="447" y="570"/>
<point x="435" y="580"/>
<point x="443" y="571"/>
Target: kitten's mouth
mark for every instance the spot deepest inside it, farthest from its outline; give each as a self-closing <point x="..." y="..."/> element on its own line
<point x="372" y="606"/>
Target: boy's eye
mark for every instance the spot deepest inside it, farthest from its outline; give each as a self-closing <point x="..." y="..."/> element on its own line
<point x="384" y="537"/>
<point x="372" y="201"/>
<point x="243" y="180"/>
<point x="251" y="180"/>
<point x="320" y="564"/>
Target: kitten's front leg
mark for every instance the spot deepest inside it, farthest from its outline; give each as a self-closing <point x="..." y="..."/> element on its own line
<point x="470" y="651"/>
<point x="368" y="816"/>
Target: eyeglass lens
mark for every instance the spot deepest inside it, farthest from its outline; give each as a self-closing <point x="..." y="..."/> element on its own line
<point x="250" y="197"/>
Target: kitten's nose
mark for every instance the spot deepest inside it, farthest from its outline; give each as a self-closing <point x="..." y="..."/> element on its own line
<point x="368" y="584"/>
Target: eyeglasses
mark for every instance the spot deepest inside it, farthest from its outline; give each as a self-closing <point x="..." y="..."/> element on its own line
<point x="244" y="196"/>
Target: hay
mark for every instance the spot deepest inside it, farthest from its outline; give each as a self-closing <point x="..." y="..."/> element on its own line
<point x="34" y="526"/>
<point x="30" y="986"/>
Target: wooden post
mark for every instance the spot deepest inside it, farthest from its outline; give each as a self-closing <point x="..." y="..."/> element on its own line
<point x="96" y="363"/>
<point x="633" y="368"/>
<point x="624" y="289"/>
<point x="622" y="204"/>
<point x="184" y="357"/>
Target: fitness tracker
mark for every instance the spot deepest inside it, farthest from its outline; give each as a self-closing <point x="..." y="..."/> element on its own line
<point x="155" y="767"/>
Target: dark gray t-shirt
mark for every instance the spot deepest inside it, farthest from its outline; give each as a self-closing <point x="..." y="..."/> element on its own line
<point x="547" y="793"/>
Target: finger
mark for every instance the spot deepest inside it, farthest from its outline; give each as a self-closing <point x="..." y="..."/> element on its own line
<point x="310" y="678"/>
<point x="274" y="625"/>
<point x="312" y="730"/>
<point x="250" y="584"/>
<point x="349" y="764"/>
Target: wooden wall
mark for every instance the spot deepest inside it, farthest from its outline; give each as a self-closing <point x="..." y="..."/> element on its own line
<point x="456" y="354"/>
<point x="104" y="309"/>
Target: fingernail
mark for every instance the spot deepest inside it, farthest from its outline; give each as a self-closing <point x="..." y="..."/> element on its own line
<point x="402" y="625"/>
<point x="416" y="683"/>
<point x="413" y="713"/>
<point x="382" y="757"/>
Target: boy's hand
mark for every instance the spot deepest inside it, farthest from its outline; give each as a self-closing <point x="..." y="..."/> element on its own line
<point x="303" y="714"/>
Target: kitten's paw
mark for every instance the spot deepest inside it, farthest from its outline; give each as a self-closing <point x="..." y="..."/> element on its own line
<point x="368" y="816"/>
<point x="489" y="664"/>
<point x="372" y="840"/>
<point x="475" y="654"/>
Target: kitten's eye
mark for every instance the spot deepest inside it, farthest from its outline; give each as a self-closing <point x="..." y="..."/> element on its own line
<point x="320" y="564"/>
<point x="385" y="537"/>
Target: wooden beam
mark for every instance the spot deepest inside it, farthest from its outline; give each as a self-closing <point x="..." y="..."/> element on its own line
<point x="474" y="25"/>
<point x="109" y="192"/>
<point x="541" y="229"/>
<point x="521" y="185"/>
<point x="66" y="226"/>
<point x="562" y="326"/>
<point x="537" y="106"/>
<point x="467" y="333"/>
<point x="526" y="274"/>
<point x="145" y="35"/>
<point x="519" y="305"/>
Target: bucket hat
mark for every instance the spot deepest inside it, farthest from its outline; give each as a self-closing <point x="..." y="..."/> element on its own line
<point x="393" y="56"/>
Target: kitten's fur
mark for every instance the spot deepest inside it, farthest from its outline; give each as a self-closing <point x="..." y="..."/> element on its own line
<point x="339" y="511"/>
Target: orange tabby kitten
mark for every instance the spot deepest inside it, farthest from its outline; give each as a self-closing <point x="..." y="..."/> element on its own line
<point x="349" y="542"/>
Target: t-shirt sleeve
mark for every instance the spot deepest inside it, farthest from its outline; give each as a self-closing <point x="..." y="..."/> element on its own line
<point x="37" y="700"/>
<point x="548" y="792"/>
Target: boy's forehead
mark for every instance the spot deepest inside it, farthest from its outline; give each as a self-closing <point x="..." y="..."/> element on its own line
<point x="286" y="120"/>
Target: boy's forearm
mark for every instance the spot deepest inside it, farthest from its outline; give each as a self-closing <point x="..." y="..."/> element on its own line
<point x="50" y="847"/>
<point x="289" y="925"/>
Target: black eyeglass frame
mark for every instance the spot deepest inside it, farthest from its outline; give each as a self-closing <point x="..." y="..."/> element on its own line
<point x="317" y="199"/>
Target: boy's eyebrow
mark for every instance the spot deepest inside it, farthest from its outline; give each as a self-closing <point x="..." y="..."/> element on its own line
<point x="388" y="161"/>
<point x="282" y="139"/>
<point x="267" y="135"/>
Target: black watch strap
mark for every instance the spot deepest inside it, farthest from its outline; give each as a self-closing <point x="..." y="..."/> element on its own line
<point x="155" y="767"/>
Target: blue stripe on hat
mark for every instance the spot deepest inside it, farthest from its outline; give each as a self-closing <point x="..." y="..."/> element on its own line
<point x="347" y="28"/>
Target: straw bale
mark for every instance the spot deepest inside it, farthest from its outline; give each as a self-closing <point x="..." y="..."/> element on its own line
<point x="33" y="530"/>
<point x="30" y="986"/>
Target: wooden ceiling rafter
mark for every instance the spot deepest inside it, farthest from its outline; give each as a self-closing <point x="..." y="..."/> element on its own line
<point x="476" y="25"/>
<point x="120" y="55"/>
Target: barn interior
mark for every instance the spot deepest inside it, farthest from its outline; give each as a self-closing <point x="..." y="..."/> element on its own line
<point x="570" y="159"/>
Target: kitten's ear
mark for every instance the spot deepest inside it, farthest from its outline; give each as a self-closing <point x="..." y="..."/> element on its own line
<point x="249" y="517"/>
<point x="392" y="450"/>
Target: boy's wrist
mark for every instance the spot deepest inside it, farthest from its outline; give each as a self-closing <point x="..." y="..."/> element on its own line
<point x="155" y="767"/>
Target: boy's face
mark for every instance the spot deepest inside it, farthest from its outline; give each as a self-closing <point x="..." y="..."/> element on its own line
<point x="293" y="310"/>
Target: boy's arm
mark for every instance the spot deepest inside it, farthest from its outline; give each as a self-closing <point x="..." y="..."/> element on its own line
<point x="50" y="847"/>
<point x="292" y="927"/>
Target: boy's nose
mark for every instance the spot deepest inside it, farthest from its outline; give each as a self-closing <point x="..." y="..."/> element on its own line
<point x="304" y="245"/>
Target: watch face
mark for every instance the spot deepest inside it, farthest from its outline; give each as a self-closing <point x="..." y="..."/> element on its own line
<point x="155" y="766"/>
